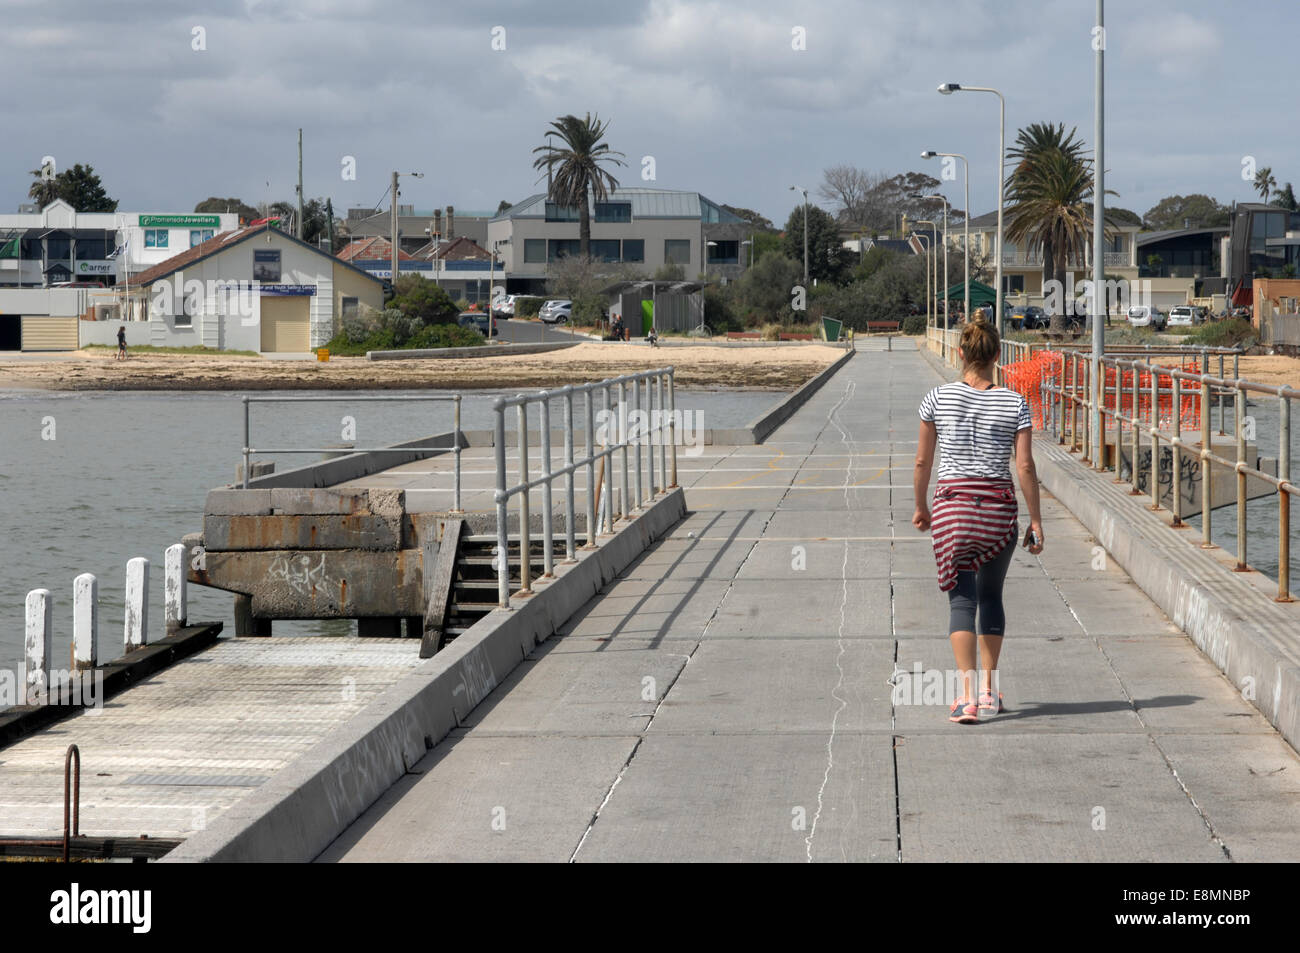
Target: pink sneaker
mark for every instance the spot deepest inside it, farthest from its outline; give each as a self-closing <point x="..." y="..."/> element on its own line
<point x="963" y="712"/>
<point x="991" y="704"/>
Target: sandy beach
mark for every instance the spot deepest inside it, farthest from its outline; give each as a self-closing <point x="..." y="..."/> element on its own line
<point x="778" y="367"/>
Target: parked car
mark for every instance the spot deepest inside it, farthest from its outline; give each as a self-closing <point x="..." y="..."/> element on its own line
<point x="1143" y="316"/>
<point x="1028" y="318"/>
<point x="1246" y="313"/>
<point x="1183" y="316"/>
<point x="479" y="321"/>
<point x="555" y="310"/>
<point x="503" y="306"/>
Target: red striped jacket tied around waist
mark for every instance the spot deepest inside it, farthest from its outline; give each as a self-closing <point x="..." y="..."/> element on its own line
<point x="972" y="520"/>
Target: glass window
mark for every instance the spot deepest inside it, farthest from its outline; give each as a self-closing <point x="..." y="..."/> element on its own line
<point x="561" y="213"/>
<point x="604" y="249"/>
<point x="561" y="247"/>
<point x="58" y="248"/>
<point x="89" y="249"/>
<point x="534" y="250"/>
<point x="1012" y="285"/>
<point x="613" y="211"/>
<point x="266" y="264"/>
<point x="677" y="251"/>
<point x="350" y="306"/>
<point x="155" y="238"/>
<point x="709" y="212"/>
<point x="199" y="235"/>
<point x="634" y="249"/>
<point x="724" y="253"/>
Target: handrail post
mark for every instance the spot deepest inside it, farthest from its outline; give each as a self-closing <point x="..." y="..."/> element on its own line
<point x="503" y="540"/>
<point x="636" y="438"/>
<point x="1060" y="394"/>
<point x="672" y="422"/>
<point x="1239" y="399"/>
<point x="455" y="440"/>
<point x="1207" y="466"/>
<point x="591" y="472"/>
<point x="1134" y="423"/>
<point x="662" y="431"/>
<point x="622" y="442"/>
<point x="570" y="542"/>
<point x="1221" y="393"/>
<point x="1284" y="500"/>
<point x="649" y="439"/>
<point x="246" y="453"/>
<point x="525" y="543"/>
<point x="1177" y="451"/>
<point x="607" y="469"/>
<point x="1155" y="438"/>
<point x="548" y="554"/>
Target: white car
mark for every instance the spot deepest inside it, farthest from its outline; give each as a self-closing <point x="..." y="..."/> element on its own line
<point x="1183" y="316"/>
<point x="555" y="310"/>
<point x="1142" y="315"/>
<point x="503" y="306"/>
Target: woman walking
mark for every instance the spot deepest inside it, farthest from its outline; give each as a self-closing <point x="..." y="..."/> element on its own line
<point x="976" y="426"/>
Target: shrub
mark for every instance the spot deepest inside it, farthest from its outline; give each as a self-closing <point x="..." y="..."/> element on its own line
<point x="391" y="330"/>
<point x="1234" y="332"/>
<point x="423" y="300"/>
<point x="914" y="324"/>
<point x="528" y="306"/>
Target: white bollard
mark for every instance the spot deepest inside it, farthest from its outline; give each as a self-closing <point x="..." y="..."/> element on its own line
<point x="137" y="603"/>
<point x="174" y="588"/>
<point x="36" y="647"/>
<point x="85" y="621"/>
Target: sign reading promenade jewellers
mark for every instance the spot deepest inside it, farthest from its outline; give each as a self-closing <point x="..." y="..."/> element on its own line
<point x="180" y="221"/>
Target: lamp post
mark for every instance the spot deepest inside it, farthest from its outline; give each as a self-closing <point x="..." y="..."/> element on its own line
<point x="948" y="89"/>
<point x="796" y="188"/>
<point x="1098" y="247"/>
<point x="934" y="228"/>
<point x="750" y="243"/>
<point x="492" y="265"/>
<point x="926" y="245"/>
<point x="945" y="257"/>
<point x="437" y="259"/>
<point x="416" y="175"/>
<point x="707" y="246"/>
<point x="966" y="226"/>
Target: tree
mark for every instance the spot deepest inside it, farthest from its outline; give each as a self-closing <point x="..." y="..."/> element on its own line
<point x="1285" y="198"/>
<point x="1123" y="216"/>
<point x="1050" y="193"/>
<point x="767" y="288"/>
<point x="846" y="187"/>
<point x="79" y="186"/>
<point x="1185" y="211"/>
<point x="753" y="218"/>
<point x="504" y="206"/>
<point x="826" y="253"/>
<point x="1265" y="182"/>
<point x="241" y="208"/>
<point x="421" y="299"/>
<point x="315" y="221"/>
<point x="578" y="175"/>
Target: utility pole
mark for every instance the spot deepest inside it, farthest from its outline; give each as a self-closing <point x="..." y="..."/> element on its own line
<point x="1098" y="240"/>
<point x="393" y="229"/>
<point x="298" y="231"/>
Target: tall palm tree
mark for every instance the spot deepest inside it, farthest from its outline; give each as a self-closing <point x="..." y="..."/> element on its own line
<point x="44" y="190"/>
<point x="1050" y="192"/>
<point x="1265" y="182"/>
<point x="578" y="173"/>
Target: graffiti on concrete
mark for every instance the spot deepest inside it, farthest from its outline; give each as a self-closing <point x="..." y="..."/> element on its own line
<point x="298" y="573"/>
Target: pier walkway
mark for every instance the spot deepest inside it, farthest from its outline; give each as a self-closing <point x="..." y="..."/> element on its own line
<point x="729" y="698"/>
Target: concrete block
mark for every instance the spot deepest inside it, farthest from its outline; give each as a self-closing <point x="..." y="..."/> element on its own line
<point x="299" y="501"/>
<point x="238" y="503"/>
<point x="320" y="531"/>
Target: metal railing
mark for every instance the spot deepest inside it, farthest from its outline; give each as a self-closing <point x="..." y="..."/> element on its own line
<point x="455" y="448"/>
<point x="1070" y="398"/>
<point x="651" y="427"/>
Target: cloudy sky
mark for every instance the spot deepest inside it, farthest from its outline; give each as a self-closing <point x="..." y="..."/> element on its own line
<point x="173" y="101"/>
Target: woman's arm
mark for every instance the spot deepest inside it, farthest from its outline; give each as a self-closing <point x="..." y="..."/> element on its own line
<point x="925" y="442"/>
<point x="1029" y="483"/>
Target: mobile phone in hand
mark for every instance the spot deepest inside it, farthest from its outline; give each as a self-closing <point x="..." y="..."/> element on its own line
<point x="1031" y="538"/>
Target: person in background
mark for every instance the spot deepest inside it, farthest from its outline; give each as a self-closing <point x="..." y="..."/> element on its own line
<point x="976" y="425"/>
<point x="121" y="343"/>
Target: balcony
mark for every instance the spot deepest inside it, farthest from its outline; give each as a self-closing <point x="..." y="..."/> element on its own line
<point x="1111" y="259"/>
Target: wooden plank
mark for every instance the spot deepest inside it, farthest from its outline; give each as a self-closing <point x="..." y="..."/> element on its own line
<point x="439" y="567"/>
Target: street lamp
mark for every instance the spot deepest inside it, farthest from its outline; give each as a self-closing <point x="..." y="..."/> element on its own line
<point x="796" y="188"/>
<point x="948" y="89"/>
<point x="750" y="243"/>
<point x="929" y="154"/>
<point x="934" y="228"/>
<point x="415" y="175"/>
<point x="945" y="255"/>
<point x="708" y="245"/>
<point x="437" y="259"/>
<point x="925" y="245"/>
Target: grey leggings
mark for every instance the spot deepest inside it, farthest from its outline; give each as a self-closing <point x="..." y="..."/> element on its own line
<point x="981" y="589"/>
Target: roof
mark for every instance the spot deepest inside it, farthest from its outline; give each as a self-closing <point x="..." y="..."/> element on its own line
<point x="892" y="244"/>
<point x="980" y="293"/>
<point x="458" y="249"/>
<point x="1147" y="238"/>
<point x="646" y="203"/>
<point x="373" y="247"/>
<point x="223" y="242"/>
<point x="658" y="287"/>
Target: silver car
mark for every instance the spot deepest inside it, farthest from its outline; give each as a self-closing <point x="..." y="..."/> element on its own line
<point x="1183" y="316"/>
<point x="555" y="310"/>
<point x="1143" y="315"/>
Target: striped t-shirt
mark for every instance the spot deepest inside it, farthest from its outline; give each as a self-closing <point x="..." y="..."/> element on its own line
<point x="977" y="428"/>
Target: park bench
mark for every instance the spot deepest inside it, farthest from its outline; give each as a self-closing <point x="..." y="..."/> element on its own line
<point x="743" y="335"/>
<point x="884" y="325"/>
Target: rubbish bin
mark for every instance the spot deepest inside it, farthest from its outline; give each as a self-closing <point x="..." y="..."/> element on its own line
<point x="831" y="329"/>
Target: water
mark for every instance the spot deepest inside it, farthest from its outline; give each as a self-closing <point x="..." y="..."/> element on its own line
<point x="126" y="475"/>
<point x="1262" y="513"/>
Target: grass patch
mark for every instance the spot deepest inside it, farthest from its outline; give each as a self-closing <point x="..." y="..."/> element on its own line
<point x="1234" y="332"/>
<point x="150" y="349"/>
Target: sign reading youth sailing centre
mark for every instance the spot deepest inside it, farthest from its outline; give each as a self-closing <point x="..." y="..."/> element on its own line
<point x="287" y="289"/>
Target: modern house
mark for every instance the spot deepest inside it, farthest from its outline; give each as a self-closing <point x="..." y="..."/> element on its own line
<point x="416" y="229"/>
<point x="460" y="267"/>
<point x="256" y="289"/>
<point x="642" y="227"/>
<point x="1264" y="242"/>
